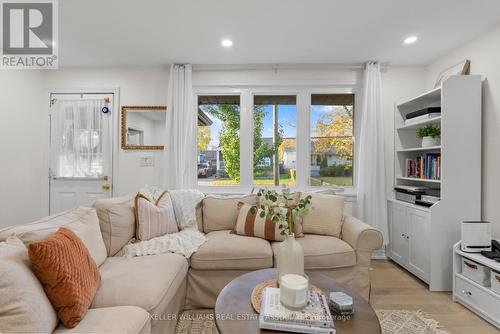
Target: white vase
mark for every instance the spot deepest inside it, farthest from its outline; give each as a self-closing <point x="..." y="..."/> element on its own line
<point x="429" y="141"/>
<point x="290" y="257"/>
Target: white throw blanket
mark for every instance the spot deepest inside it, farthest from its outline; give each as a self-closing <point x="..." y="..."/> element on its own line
<point x="185" y="242"/>
<point x="185" y="203"/>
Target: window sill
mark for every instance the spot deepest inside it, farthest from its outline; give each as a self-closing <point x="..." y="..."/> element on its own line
<point x="348" y="192"/>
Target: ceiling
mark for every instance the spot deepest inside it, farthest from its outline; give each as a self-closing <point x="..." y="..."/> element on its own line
<point x="153" y="32"/>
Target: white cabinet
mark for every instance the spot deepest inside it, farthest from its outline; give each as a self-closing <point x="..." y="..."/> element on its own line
<point x="409" y="233"/>
<point x="480" y="299"/>
<point x="398" y="233"/>
<point x="419" y="236"/>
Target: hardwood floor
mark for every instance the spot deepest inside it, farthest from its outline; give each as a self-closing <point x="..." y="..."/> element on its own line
<point x="395" y="288"/>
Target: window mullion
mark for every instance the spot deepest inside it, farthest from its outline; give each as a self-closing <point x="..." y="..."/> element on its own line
<point x="303" y="139"/>
<point x="246" y="140"/>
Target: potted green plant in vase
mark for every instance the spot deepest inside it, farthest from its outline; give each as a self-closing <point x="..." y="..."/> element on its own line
<point x="286" y="211"/>
<point x="430" y="134"/>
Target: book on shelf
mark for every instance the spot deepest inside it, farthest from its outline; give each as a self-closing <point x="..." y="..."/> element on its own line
<point x="427" y="167"/>
<point x="314" y="318"/>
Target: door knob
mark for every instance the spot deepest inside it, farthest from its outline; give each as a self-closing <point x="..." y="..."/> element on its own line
<point x="106" y="186"/>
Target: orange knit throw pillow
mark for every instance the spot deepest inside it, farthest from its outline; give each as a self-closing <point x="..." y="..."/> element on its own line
<point x="67" y="272"/>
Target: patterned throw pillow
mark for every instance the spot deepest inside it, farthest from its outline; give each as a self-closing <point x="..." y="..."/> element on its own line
<point x="252" y="225"/>
<point x="68" y="274"/>
<point x="154" y="219"/>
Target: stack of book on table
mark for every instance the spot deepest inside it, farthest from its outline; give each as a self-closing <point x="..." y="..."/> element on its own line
<point x="314" y="318"/>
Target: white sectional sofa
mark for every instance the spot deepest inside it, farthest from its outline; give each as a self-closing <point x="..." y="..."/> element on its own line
<point x="146" y="294"/>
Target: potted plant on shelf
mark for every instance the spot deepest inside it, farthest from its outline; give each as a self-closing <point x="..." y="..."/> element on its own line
<point x="430" y="134"/>
<point x="285" y="210"/>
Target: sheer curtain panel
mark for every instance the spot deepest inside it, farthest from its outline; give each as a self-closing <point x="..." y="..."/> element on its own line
<point x="180" y="147"/>
<point x="77" y="141"/>
<point x="371" y="180"/>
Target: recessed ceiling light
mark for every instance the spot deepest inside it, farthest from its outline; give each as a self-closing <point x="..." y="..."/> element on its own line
<point x="227" y="43"/>
<point x="410" y="39"/>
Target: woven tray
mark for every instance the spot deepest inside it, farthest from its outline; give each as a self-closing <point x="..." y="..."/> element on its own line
<point x="256" y="297"/>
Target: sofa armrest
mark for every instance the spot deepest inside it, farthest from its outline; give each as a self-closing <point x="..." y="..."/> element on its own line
<point x="361" y="236"/>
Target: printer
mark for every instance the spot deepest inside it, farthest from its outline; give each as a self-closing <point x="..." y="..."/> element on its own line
<point x="476" y="236"/>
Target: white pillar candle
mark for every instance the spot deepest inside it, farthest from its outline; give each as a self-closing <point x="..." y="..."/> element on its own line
<point x="293" y="290"/>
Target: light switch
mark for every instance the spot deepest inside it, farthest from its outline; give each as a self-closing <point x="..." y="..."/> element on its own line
<point x="147" y="161"/>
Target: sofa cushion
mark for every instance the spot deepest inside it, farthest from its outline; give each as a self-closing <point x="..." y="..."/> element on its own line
<point x="323" y="252"/>
<point x="117" y="221"/>
<point x="24" y="307"/>
<point x="221" y="212"/>
<point x="225" y="250"/>
<point x="68" y="273"/>
<point x="82" y="221"/>
<point x="142" y="281"/>
<point x="325" y="218"/>
<point x="119" y="319"/>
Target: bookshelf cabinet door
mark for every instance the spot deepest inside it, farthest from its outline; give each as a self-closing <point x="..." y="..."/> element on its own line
<point x="398" y="230"/>
<point x="419" y="229"/>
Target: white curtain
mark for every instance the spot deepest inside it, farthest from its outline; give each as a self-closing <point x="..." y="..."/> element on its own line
<point x="78" y="138"/>
<point x="371" y="180"/>
<point x="180" y="147"/>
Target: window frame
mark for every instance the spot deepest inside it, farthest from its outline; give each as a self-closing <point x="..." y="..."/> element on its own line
<point x="303" y="94"/>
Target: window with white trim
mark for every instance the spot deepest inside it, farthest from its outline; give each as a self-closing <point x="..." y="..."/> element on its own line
<point x="332" y="144"/>
<point x="218" y="140"/>
<point x="275" y="138"/>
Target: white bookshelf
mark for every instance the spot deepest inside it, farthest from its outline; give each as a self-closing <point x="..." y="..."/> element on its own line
<point x="416" y="125"/>
<point x="421" y="239"/>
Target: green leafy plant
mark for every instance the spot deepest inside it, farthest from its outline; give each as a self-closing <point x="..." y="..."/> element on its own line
<point x="429" y="131"/>
<point x="280" y="209"/>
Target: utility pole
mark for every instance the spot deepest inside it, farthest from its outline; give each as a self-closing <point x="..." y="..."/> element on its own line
<point x="276" y="166"/>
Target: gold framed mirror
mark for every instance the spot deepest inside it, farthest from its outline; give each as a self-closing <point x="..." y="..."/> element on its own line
<point x="143" y="127"/>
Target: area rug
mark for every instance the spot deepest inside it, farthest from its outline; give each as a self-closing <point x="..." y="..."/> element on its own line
<point x="408" y="322"/>
<point x="391" y="321"/>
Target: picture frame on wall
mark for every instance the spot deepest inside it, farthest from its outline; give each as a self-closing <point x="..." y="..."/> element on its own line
<point x="461" y="68"/>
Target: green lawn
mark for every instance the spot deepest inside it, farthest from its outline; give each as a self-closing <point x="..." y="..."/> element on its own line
<point x="285" y="180"/>
<point x="331" y="180"/>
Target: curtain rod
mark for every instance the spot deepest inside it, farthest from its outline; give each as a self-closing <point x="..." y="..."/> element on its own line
<point x="229" y="67"/>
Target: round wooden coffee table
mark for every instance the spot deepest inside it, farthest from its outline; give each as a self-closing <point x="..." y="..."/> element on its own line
<point x="234" y="312"/>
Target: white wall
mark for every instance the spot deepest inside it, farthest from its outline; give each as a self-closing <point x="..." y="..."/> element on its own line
<point x="23" y="103"/>
<point x="484" y="54"/>
<point x="22" y="134"/>
<point x="139" y="86"/>
<point x="397" y="83"/>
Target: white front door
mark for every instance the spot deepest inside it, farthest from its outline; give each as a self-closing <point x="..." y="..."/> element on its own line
<point x="80" y="149"/>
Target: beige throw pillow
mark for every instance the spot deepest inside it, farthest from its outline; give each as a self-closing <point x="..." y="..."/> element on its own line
<point x="220" y="212"/>
<point x="154" y="218"/>
<point x="253" y="225"/>
<point x="24" y="307"/>
<point x="326" y="216"/>
<point x="117" y="221"/>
